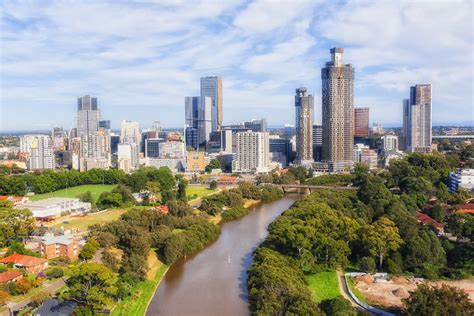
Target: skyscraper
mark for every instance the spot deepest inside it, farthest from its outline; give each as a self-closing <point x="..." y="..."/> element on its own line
<point x="304" y="105"/>
<point x="88" y="115"/>
<point x="199" y="116"/>
<point x="361" y="122"/>
<point x="59" y="138"/>
<point x="338" y="112"/>
<point x="211" y="86"/>
<point x="257" y="125"/>
<point x="417" y="119"/>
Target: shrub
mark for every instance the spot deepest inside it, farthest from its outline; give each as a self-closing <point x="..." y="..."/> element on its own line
<point x="367" y="264"/>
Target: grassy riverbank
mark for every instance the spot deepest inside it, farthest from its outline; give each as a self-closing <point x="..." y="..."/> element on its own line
<point x="137" y="303"/>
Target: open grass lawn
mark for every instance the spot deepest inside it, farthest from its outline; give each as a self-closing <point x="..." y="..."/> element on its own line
<point x="137" y="303"/>
<point x="194" y="192"/>
<point x="82" y="223"/>
<point x="323" y="285"/>
<point x="96" y="190"/>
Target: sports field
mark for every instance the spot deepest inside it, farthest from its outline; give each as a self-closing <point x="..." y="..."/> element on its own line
<point x="96" y="190"/>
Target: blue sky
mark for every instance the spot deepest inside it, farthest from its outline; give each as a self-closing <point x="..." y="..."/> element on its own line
<point x="142" y="58"/>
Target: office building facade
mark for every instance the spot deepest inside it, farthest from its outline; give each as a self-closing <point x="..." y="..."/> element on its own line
<point x="130" y="132"/>
<point x="361" y="122"/>
<point x="317" y="142"/>
<point x="338" y="112"/>
<point x="199" y="117"/>
<point x="389" y="143"/>
<point x="280" y="151"/>
<point x="211" y="86"/>
<point x="88" y="115"/>
<point x="304" y="112"/>
<point x="256" y="125"/>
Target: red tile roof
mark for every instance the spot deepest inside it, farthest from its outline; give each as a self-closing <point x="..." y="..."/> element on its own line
<point x="9" y="275"/>
<point x="23" y="260"/>
<point x="426" y="220"/>
<point x="469" y="206"/>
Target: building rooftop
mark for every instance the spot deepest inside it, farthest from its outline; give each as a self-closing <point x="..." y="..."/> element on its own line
<point x="50" y="239"/>
<point x="23" y="260"/>
<point x="51" y="201"/>
<point x="9" y="275"/>
<point x="426" y="220"/>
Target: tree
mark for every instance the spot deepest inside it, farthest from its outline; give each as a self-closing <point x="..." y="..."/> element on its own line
<point x="461" y="225"/>
<point x="109" y="199"/>
<point x="338" y="306"/>
<point x="54" y="273"/>
<point x="213" y="164"/>
<point x="182" y="185"/>
<point x="110" y="260"/>
<point x="443" y="300"/>
<point x="213" y="185"/>
<point x="91" y="284"/>
<point x="23" y="285"/>
<point x="382" y="236"/>
<point x="125" y="192"/>
<point x="4" y="297"/>
<point x="39" y="298"/>
<point x="88" y="250"/>
<point x="437" y="213"/>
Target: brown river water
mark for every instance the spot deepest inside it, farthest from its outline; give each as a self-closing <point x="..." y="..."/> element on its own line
<point x="213" y="281"/>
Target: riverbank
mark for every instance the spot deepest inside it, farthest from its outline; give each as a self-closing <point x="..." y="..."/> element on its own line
<point x="142" y="294"/>
<point x="217" y="271"/>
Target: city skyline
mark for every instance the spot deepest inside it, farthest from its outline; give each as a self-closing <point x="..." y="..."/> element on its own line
<point x="47" y="61"/>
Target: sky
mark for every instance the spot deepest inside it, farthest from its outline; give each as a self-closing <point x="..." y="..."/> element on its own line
<point x="140" y="59"/>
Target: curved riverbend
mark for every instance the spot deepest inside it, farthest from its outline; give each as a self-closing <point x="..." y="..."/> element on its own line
<point x="213" y="281"/>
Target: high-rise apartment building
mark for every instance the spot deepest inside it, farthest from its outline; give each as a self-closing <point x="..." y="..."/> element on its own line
<point x="152" y="147"/>
<point x="130" y="132"/>
<point x="389" y="143"/>
<point x="361" y="122"/>
<point x="172" y="149"/>
<point x="253" y="152"/>
<point x="88" y="115"/>
<point x="317" y="142"/>
<point x="211" y="86"/>
<point x="38" y="150"/>
<point x="304" y="110"/>
<point x="417" y="119"/>
<point x="59" y="138"/>
<point x="199" y="116"/>
<point x="338" y="112"/>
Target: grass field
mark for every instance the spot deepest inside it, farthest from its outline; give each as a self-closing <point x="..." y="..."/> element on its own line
<point x="83" y="223"/>
<point x="193" y="192"/>
<point x="96" y="190"/>
<point x="323" y="285"/>
<point x="137" y="303"/>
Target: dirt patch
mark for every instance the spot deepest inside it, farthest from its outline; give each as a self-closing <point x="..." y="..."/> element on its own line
<point x="153" y="265"/>
<point x="365" y="278"/>
<point x="391" y="294"/>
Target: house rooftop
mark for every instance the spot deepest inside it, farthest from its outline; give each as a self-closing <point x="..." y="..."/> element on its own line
<point x="9" y="275"/>
<point x="26" y="261"/>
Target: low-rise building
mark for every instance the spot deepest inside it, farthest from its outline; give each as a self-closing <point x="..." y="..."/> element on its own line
<point x="10" y="276"/>
<point x="196" y="161"/>
<point x="426" y="220"/>
<point x="463" y="179"/>
<point x="16" y="200"/>
<point x="28" y="263"/>
<point x="50" y="246"/>
<point x="51" y="208"/>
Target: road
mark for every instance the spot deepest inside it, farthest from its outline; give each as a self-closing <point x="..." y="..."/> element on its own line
<point x="345" y="293"/>
<point x="49" y="289"/>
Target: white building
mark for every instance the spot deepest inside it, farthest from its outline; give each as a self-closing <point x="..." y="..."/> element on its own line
<point x="363" y="154"/>
<point x="253" y="152"/>
<point x="172" y="149"/>
<point x="55" y="207"/>
<point x="129" y="132"/>
<point x="463" y="179"/>
<point x="127" y="157"/>
<point x="39" y="151"/>
<point x="390" y="143"/>
<point x="175" y="165"/>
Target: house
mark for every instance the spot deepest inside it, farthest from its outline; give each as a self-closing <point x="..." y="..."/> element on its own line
<point x="28" y="263"/>
<point x="426" y="220"/>
<point x="16" y="200"/>
<point x="10" y="276"/>
<point x="163" y="209"/>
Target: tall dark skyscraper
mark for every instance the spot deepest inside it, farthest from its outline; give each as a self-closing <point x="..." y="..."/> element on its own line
<point x="211" y="86"/>
<point x="304" y="106"/>
<point x="338" y="112"/>
<point x="198" y="116"/>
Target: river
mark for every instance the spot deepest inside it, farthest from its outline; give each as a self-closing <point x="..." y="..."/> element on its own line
<point x="213" y="281"/>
